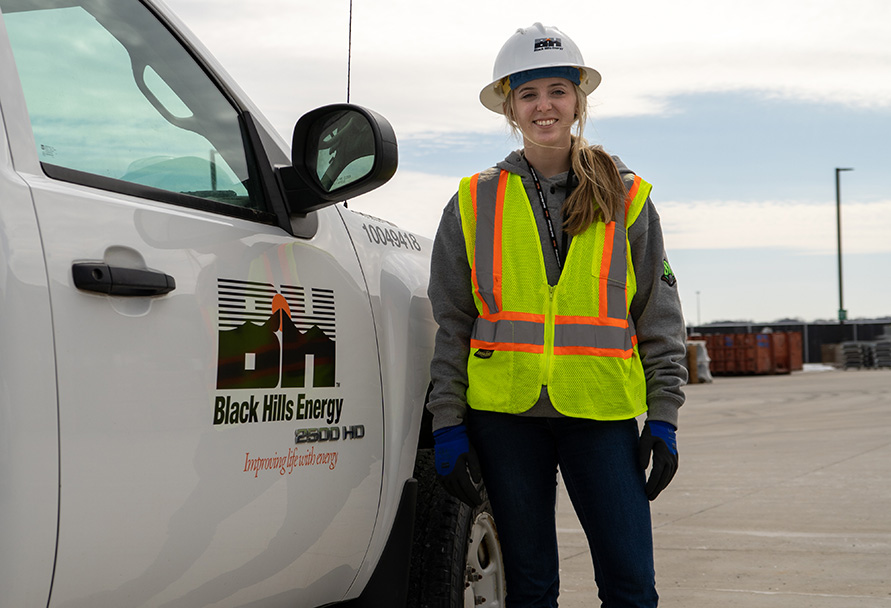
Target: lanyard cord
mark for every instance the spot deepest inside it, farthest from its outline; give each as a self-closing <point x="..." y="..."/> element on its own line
<point x="547" y="216"/>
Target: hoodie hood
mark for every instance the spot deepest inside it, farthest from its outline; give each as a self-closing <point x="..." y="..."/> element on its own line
<point x="515" y="162"/>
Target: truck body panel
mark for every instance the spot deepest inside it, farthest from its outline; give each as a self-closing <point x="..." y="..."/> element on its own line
<point x="29" y="457"/>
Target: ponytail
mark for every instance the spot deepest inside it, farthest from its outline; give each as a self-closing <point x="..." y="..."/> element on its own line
<point x="600" y="192"/>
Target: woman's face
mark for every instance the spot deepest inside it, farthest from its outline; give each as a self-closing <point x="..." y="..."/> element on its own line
<point x="545" y="111"/>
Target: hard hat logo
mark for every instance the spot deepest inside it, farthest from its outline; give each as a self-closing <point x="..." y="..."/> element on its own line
<point x="544" y="44"/>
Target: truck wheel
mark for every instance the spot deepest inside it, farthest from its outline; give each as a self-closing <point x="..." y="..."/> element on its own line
<point x="456" y="558"/>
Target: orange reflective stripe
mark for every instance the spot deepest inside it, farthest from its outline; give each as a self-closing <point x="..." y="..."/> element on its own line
<point x="473" y="182"/>
<point x="593" y="351"/>
<point x="629" y="198"/>
<point x="601" y="321"/>
<point x="506" y="315"/>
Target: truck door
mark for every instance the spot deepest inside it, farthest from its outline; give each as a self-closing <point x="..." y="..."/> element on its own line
<point x="219" y="395"/>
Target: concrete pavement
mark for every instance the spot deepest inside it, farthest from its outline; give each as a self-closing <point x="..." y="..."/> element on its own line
<point x="783" y="498"/>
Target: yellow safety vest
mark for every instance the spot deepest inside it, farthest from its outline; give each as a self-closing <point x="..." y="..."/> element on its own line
<point x="577" y="337"/>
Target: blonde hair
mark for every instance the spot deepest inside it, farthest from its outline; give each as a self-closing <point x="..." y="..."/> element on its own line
<point x="601" y="191"/>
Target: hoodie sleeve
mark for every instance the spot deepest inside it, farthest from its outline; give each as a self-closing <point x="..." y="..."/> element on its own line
<point x="658" y="318"/>
<point x="454" y="310"/>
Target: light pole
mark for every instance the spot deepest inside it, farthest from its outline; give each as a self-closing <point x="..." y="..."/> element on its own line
<point x="842" y="313"/>
<point x="698" y="319"/>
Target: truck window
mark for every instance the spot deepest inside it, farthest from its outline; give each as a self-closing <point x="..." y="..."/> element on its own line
<point x="112" y="93"/>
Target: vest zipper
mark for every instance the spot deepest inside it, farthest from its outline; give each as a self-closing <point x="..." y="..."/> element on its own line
<point x="548" y="358"/>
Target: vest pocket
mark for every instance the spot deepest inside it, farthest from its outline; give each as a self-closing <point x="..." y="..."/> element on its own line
<point x="489" y="380"/>
<point x="501" y="379"/>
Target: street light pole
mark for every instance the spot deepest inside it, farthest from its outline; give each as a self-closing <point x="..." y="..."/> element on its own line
<point x="842" y="313"/>
<point x="698" y="318"/>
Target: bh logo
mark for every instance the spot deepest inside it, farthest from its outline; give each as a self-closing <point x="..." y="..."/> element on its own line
<point x="271" y="338"/>
<point x="544" y="44"/>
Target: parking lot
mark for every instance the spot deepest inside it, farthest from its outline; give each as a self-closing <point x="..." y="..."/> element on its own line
<point x="783" y="498"/>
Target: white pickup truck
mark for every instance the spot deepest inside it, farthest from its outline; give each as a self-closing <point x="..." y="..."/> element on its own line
<point x="212" y="376"/>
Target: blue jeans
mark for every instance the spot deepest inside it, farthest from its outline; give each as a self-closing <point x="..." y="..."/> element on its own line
<point x="519" y="457"/>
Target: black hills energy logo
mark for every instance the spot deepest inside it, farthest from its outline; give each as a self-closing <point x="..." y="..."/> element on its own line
<point x="545" y="44"/>
<point x="271" y="338"/>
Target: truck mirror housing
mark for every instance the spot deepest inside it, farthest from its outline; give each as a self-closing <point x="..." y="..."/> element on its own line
<point x="337" y="152"/>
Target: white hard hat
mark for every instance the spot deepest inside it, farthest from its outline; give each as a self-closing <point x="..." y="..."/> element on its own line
<point x="535" y="48"/>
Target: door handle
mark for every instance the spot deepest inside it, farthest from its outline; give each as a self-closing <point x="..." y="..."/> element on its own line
<point x="118" y="281"/>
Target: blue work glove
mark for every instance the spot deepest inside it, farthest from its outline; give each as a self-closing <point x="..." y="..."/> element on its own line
<point x="457" y="466"/>
<point x="659" y="439"/>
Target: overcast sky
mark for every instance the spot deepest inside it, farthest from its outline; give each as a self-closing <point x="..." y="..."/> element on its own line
<point x="737" y="112"/>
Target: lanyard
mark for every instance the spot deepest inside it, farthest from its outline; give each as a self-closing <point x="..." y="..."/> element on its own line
<point x="547" y="215"/>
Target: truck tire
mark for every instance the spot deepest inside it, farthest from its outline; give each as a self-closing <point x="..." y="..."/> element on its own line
<point x="456" y="558"/>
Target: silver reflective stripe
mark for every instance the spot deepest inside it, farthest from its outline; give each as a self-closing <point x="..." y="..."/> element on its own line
<point x="508" y="332"/>
<point x="592" y="336"/>
<point x="484" y="249"/>
<point x="615" y="293"/>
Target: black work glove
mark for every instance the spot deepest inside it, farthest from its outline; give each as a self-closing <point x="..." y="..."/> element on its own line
<point x="457" y="466"/>
<point x="659" y="439"/>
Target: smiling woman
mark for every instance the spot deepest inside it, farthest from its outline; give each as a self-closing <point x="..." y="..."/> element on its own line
<point x="560" y="323"/>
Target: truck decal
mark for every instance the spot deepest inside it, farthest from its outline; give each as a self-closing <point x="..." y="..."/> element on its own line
<point x="275" y="408"/>
<point x="275" y="338"/>
<point x="391" y="236"/>
<point x="286" y="463"/>
<point x="270" y="337"/>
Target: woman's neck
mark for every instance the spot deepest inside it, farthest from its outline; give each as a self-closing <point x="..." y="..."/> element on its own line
<point x="548" y="162"/>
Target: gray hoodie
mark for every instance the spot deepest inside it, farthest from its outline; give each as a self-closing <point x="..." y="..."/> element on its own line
<point x="655" y="308"/>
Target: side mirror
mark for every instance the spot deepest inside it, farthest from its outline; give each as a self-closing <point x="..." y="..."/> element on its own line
<point x="338" y="152"/>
